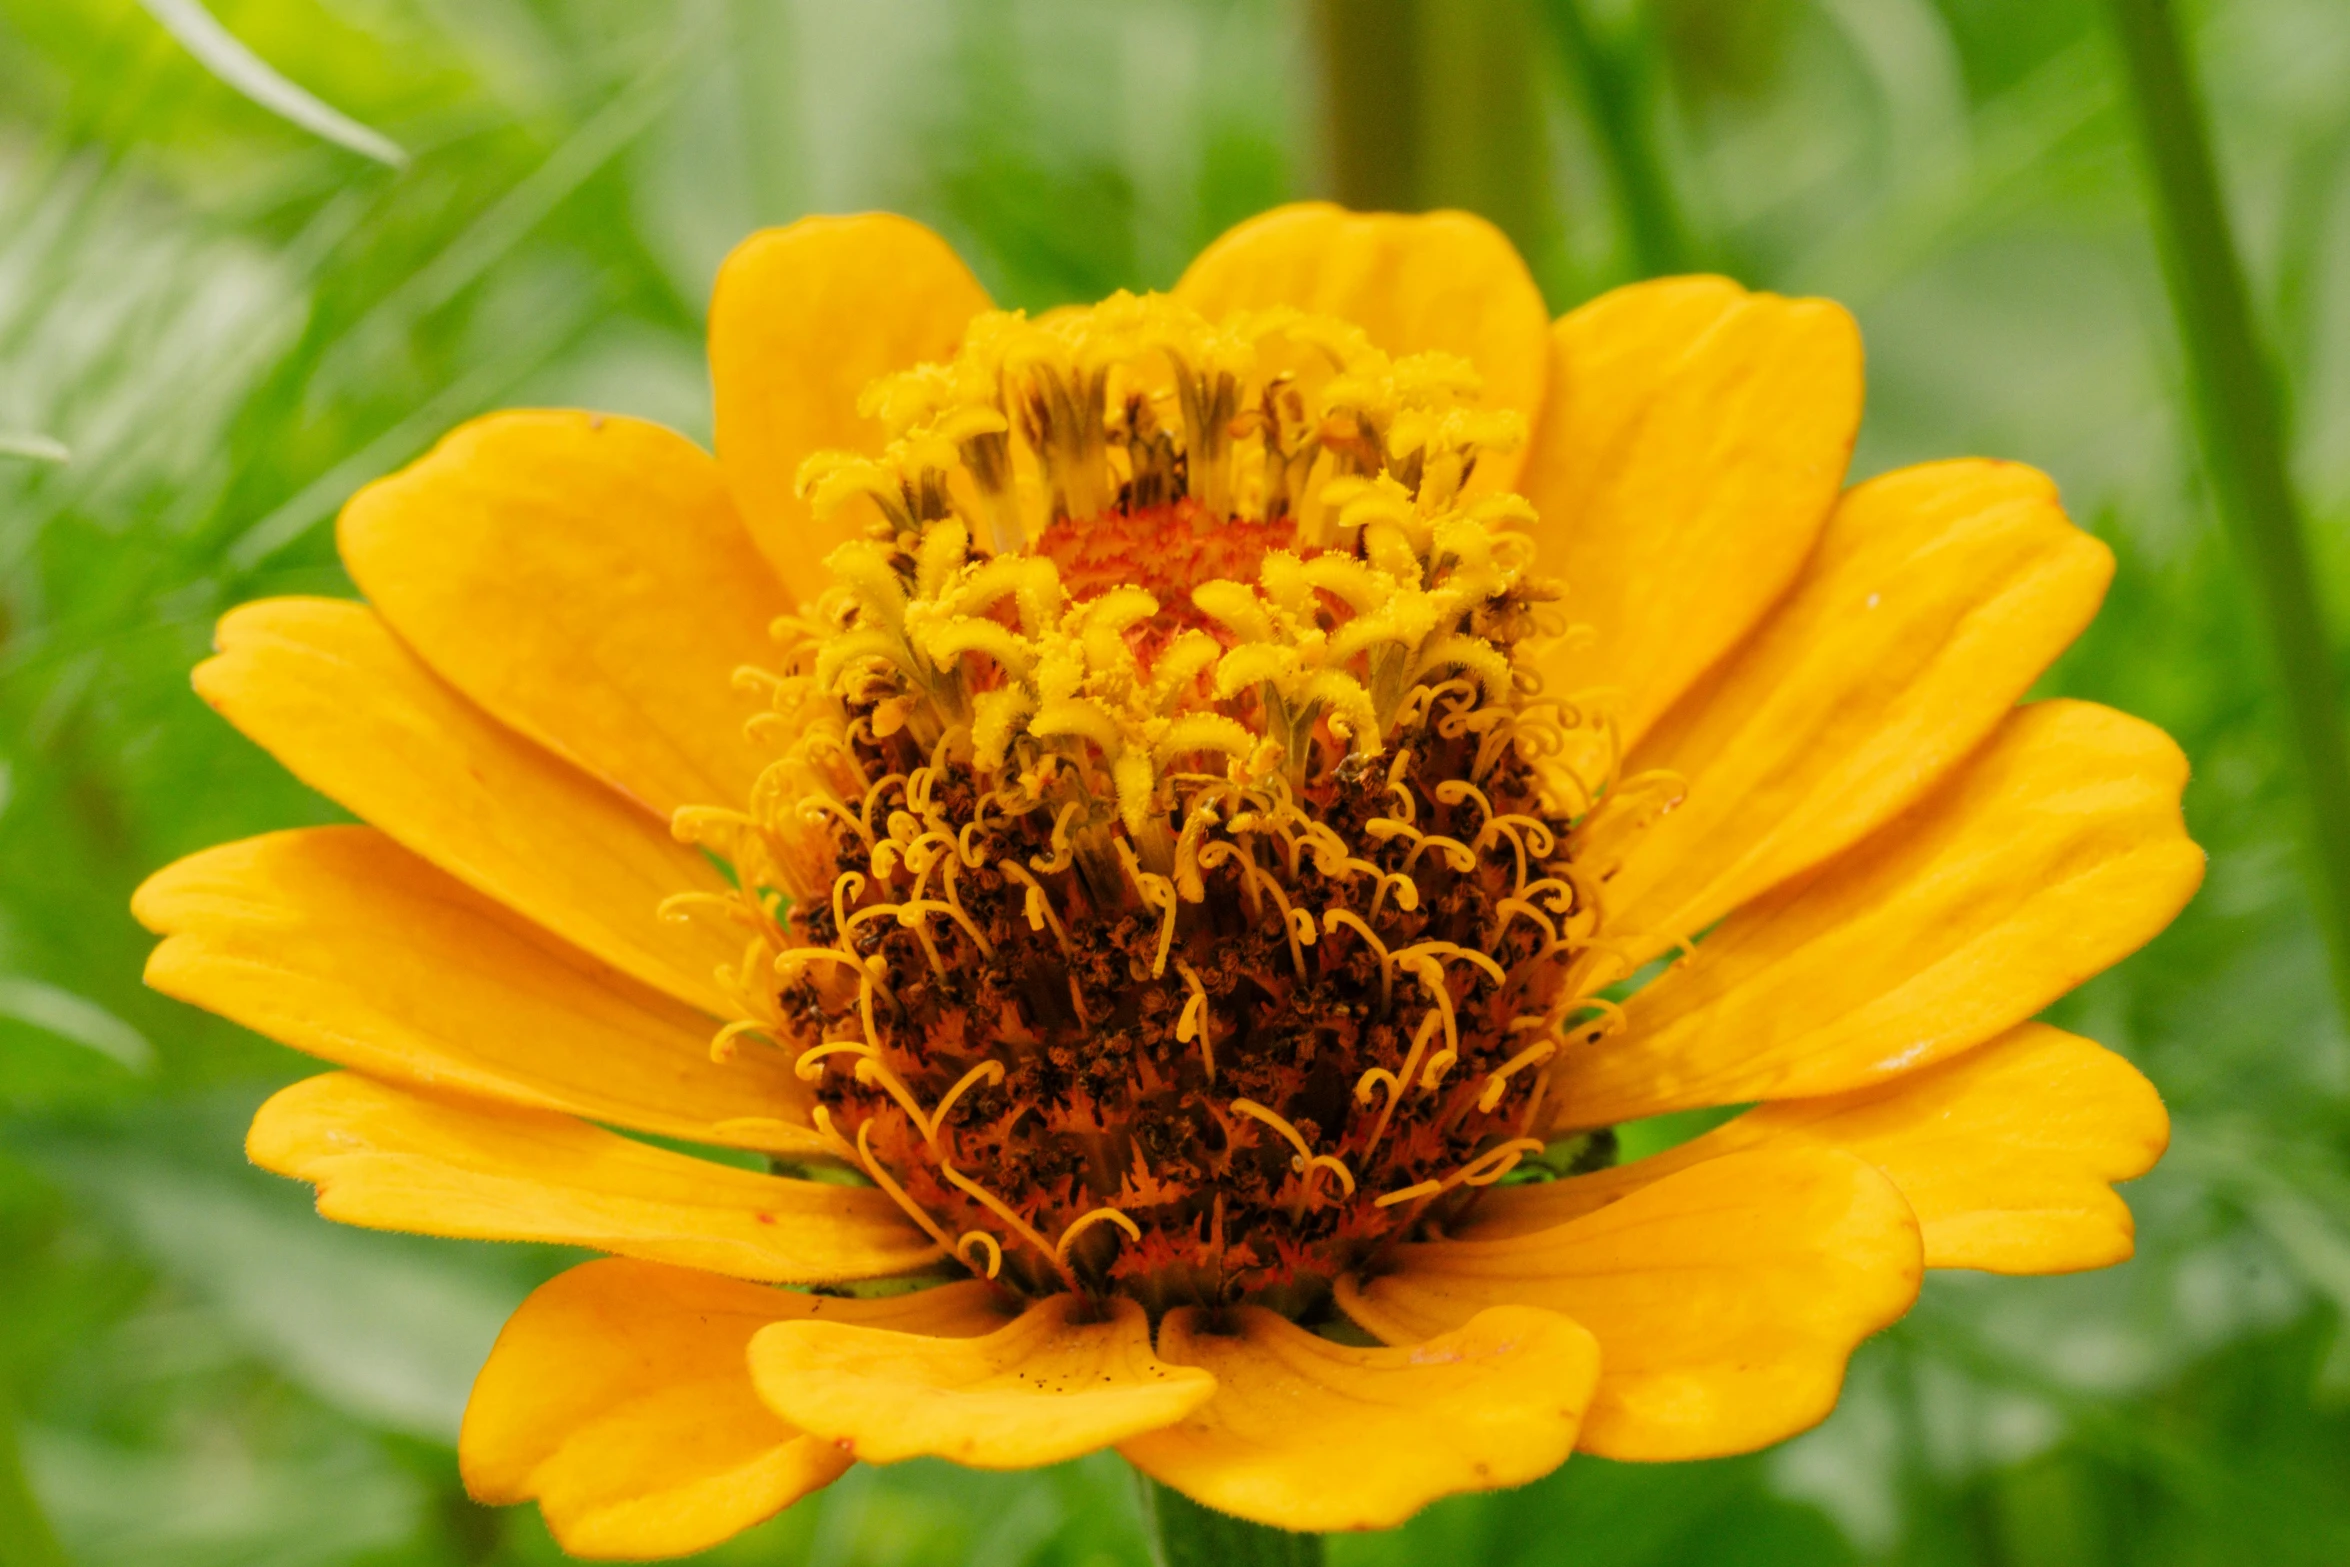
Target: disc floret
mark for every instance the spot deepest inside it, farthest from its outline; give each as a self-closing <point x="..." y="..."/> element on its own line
<point x="1167" y="884"/>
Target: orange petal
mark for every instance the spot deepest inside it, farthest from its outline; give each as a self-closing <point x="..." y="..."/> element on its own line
<point x="1439" y="281"/>
<point x="805" y="317"/>
<point x="2006" y="1154"/>
<point x="1693" y="439"/>
<point x="337" y="941"/>
<point x="388" y="1159"/>
<point x="1046" y="1387"/>
<point x="1936" y="597"/>
<point x="324" y="687"/>
<point x="585" y="579"/>
<point x="1726" y="1298"/>
<point x="2055" y="851"/>
<point x="618" y="1398"/>
<point x="1309" y="1435"/>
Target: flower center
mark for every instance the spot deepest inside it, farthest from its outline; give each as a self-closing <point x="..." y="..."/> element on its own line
<point x="1168" y="884"/>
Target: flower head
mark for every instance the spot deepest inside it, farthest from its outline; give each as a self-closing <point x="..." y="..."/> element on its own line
<point x="1180" y="827"/>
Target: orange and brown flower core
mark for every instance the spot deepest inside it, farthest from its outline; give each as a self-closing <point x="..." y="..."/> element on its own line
<point x="1167" y="885"/>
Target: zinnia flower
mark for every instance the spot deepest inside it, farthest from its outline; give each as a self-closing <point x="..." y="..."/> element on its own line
<point x="1179" y="828"/>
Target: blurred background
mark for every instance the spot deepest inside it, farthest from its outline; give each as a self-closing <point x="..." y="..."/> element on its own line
<point x="232" y="315"/>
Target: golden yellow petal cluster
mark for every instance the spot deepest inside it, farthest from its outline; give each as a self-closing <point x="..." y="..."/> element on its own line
<point x="1179" y="827"/>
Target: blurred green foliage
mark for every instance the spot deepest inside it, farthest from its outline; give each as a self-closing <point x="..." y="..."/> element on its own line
<point x="232" y="325"/>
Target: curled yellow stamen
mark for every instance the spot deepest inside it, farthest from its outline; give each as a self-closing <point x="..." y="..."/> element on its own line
<point x="1224" y="850"/>
<point x="1064" y="850"/>
<point x="676" y="909"/>
<point x="870" y="1070"/>
<point x="865" y="809"/>
<point x="1039" y="905"/>
<point x="1510" y="908"/>
<point x="841" y="1147"/>
<point x="1497" y="1082"/>
<point x="1409" y="1194"/>
<point x="881" y="1178"/>
<point x="995" y="1252"/>
<point x="790" y="961"/>
<point x="1307" y="1161"/>
<point x="1336" y="1166"/>
<point x="1539" y="840"/>
<point x="910" y="915"/>
<point x="867" y="984"/>
<point x="1424" y="967"/>
<point x="1333" y="918"/>
<point x="1493" y="1164"/>
<point x="1004" y="1211"/>
<point x="1257" y="1112"/>
<point x="1295" y="923"/>
<point x="1397" y="1083"/>
<point x="814" y="1055"/>
<point x="1448" y="949"/>
<point x="1453" y="791"/>
<point x="722" y="1046"/>
<point x="1563" y="895"/>
<point x="1407" y="893"/>
<point x="1405" y="802"/>
<point x="972" y="857"/>
<point x="1526" y="1121"/>
<point x="1194" y="1021"/>
<point x="1456" y="853"/>
<point x="1087" y="1220"/>
<point x="1611" y="1016"/>
<point x="821" y="801"/>
<point x="1157" y="892"/>
<point x="992" y="1070"/>
<point x="848" y="884"/>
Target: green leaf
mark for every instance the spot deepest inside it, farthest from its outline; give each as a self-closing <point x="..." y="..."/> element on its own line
<point x="219" y="51"/>
<point x="70" y="1017"/>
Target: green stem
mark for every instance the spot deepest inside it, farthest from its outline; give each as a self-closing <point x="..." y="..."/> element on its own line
<point x="25" y="1536"/>
<point x="1482" y="143"/>
<point x="1614" y="74"/>
<point x="1371" y="90"/>
<point x="2243" y="438"/>
<point x="1438" y="103"/>
<point x="1185" y="1534"/>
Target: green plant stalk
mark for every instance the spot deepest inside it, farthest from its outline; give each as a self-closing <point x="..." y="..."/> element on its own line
<point x="25" y="1536"/>
<point x="1481" y="142"/>
<point x="2242" y="432"/>
<point x="1371" y="89"/>
<point x="1437" y="103"/>
<point x="1185" y="1534"/>
<point x="1613" y="74"/>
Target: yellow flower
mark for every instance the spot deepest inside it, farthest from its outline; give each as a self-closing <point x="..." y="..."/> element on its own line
<point x="1158" y="819"/>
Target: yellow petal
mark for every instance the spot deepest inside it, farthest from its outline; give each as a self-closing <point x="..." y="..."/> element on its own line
<point x="618" y="1398"/>
<point x="1442" y="281"/>
<point x="1309" y="1435"/>
<point x="1726" y="1298"/>
<point x="1936" y="597"/>
<point x="389" y="1159"/>
<point x="1049" y="1386"/>
<point x="1693" y="439"/>
<point x="2055" y="851"/>
<point x="337" y="941"/>
<point x="324" y="687"/>
<point x="585" y="579"/>
<point x="2006" y="1154"/>
<point x="805" y="317"/>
